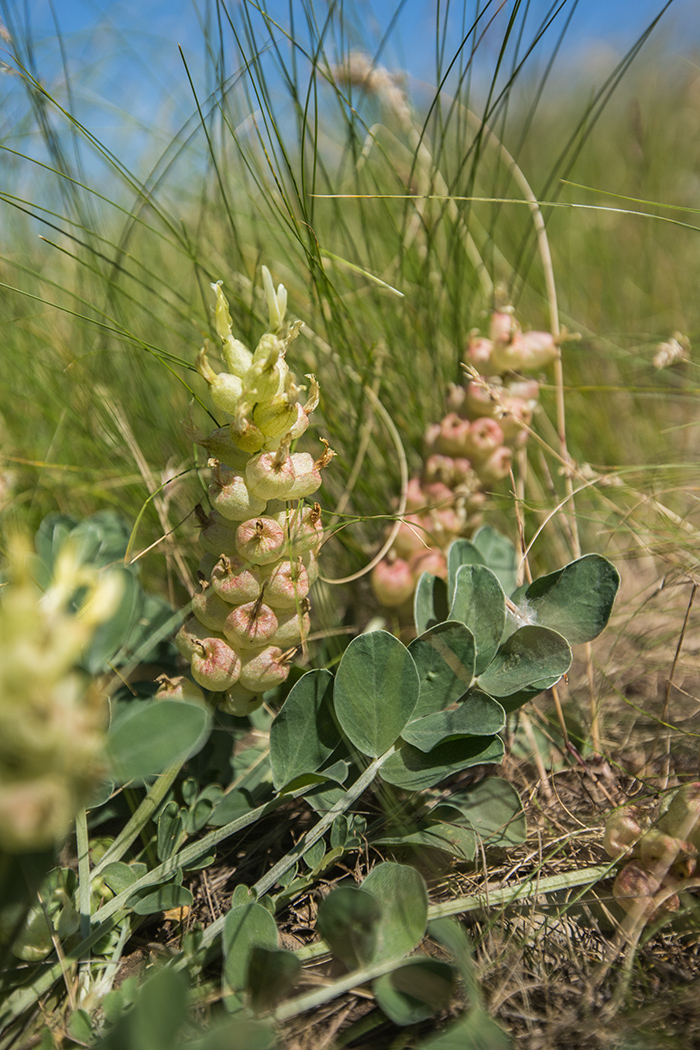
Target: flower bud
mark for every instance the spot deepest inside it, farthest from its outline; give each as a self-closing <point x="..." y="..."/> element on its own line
<point x="392" y="582"/>
<point x="482" y="440"/>
<point x="235" y="580"/>
<point x="301" y="423"/>
<point x="305" y="530"/>
<point x="497" y="466"/>
<point x="179" y="688"/>
<point x="210" y="609"/>
<point x="526" y="352"/>
<point x="250" y="626"/>
<point x="415" y="499"/>
<point x="276" y="418"/>
<point x="436" y="494"/>
<point x="231" y="496"/>
<point x="432" y="561"/>
<point x="264" y="670"/>
<point x="503" y="327"/>
<point x="478" y="354"/>
<point x="453" y="437"/>
<point x="226" y="390"/>
<point x="260" y="540"/>
<point x="307" y="476"/>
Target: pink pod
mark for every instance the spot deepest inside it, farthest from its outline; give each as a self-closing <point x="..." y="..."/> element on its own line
<point x="526" y="352"/>
<point x="219" y="445"/>
<point x="260" y="540"/>
<point x="251" y="625"/>
<point x="231" y="496"/>
<point x="264" y="669"/>
<point x="438" y="469"/>
<point x="635" y="886"/>
<point x="270" y="475"/>
<point x="438" y="495"/>
<point x="191" y="632"/>
<point x="392" y="582"/>
<point x="218" y="536"/>
<point x="215" y="665"/>
<point x="293" y="627"/>
<point x="454" y="432"/>
<point x="431" y="561"/>
<point x="414" y="495"/>
<point x="519" y="411"/>
<point x="497" y="466"/>
<point x="455" y="400"/>
<point x="503" y="327"/>
<point x="286" y="584"/>
<point x="300" y="425"/>
<point x="431" y="437"/>
<point x="478" y="354"/>
<point x="179" y="688"/>
<point x="235" y="580"/>
<point x="210" y="609"/>
<point x="307" y="478"/>
<point x="483" y="438"/>
<point x="478" y="402"/>
<point x="304" y="530"/>
<point x="412" y="534"/>
<point x="622" y="832"/>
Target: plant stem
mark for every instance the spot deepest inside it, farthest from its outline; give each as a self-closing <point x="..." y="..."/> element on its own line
<point x="83" y="847"/>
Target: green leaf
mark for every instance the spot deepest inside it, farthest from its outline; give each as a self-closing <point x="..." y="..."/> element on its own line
<point x="494" y="810"/>
<point x="577" y="600"/>
<point x="163" y="899"/>
<point x="238" y="1033"/>
<point x="112" y="635"/>
<point x="314" y="854"/>
<point x="499" y="555"/>
<point x="480" y="604"/>
<point x="157" y="1017"/>
<point x="403" y="900"/>
<point x="246" y="926"/>
<point x="348" y="922"/>
<point x="474" y="1030"/>
<point x="149" y="735"/>
<point x="460" y="552"/>
<point x="376" y="690"/>
<point x="454" y="839"/>
<point x="477" y="715"/>
<point x="444" y="658"/>
<point x="531" y="656"/>
<point x="233" y="805"/>
<point x="430" y="602"/>
<point x="418" y="989"/>
<point x="272" y="973"/>
<point x="119" y="876"/>
<point x="304" y="734"/>
<point x="79" y="1027"/>
<point x="413" y="770"/>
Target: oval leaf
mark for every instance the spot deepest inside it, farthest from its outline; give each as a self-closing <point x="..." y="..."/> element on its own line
<point x="272" y="973"/>
<point x="246" y="926"/>
<point x="415" y="991"/>
<point x="478" y="715"/>
<point x="460" y="552"/>
<point x="577" y="600"/>
<point x="444" y="658"/>
<point x="430" y="602"/>
<point x="304" y="734"/>
<point x="531" y="656"/>
<point x="413" y="770"/>
<point x="376" y="690"/>
<point x="403" y="900"/>
<point x="480" y="604"/>
<point x="494" y="810"/>
<point x="149" y="735"/>
<point x="163" y="899"/>
<point x="500" y="556"/>
<point x="347" y="921"/>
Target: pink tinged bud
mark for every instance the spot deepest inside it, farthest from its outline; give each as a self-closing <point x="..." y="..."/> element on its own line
<point x="483" y="438"/>
<point x="478" y="354"/>
<point x="478" y="403"/>
<point x="412" y="535"/>
<point x="445" y="525"/>
<point x="270" y="475"/>
<point x="293" y="627"/>
<point x="307" y="476"/>
<point x="497" y="466"/>
<point x="260" y="541"/>
<point x="456" y="397"/>
<point x="300" y="425"/>
<point x="239" y="701"/>
<point x="392" y="582"/>
<point x="453" y="437"/>
<point x="276" y="418"/>
<point x="622" y="832"/>
<point x="191" y="632"/>
<point x="431" y="561"/>
<point x="215" y="666"/>
<point x="525" y="353"/>
<point x="250" y="626"/>
<point x="218" y="536"/>
<point x="235" y="581"/>
<point x="264" y="670"/>
<point x="519" y="411"/>
<point x="231" y="496"/>
<point x="210" y="609"/>
<point x="286" y="584"/>
<point x="438" y="469"/>
<point x="180" y="688"/>
<point x="503" y="326"/>
<point x="463" y="471"/>
<point x="682" y="818"/>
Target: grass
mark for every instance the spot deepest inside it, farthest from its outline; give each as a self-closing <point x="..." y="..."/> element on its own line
<point x="393" y="225"/>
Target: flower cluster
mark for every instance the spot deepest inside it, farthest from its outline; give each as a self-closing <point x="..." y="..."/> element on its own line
<point x="660" y="858"/>
<point x="259" y="538"/>
<point x="468" y="452"/>
<point x="52" y="721"/>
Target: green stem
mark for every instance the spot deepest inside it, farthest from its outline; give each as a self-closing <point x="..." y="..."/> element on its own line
<point x="83" y="847"/>
<point x="141" y="816"/>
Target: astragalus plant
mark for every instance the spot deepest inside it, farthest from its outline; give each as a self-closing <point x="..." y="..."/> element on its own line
<point x="260" y="539"/>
